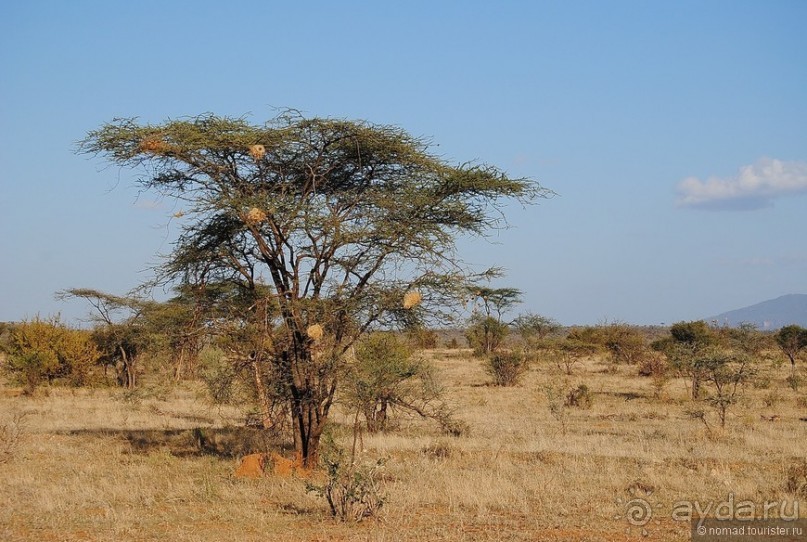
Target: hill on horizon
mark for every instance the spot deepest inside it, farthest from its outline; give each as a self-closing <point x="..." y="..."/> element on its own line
<point x="768" y="315"/>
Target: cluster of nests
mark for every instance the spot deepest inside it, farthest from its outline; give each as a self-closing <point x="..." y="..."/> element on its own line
<point x="158" y="145"/>
<point x="411" y="299"/>
<point x="255" y="216"/>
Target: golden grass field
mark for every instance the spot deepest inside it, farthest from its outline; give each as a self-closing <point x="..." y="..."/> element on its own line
<point x="91" y="466"/>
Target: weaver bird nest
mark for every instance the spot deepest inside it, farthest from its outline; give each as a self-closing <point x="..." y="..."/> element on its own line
<point x="411" y="299"/>
<point x="255" y="216"/>
<point x="315" y="332"/>
<point x="257" y="151"/>
<point x="154" y="144"/>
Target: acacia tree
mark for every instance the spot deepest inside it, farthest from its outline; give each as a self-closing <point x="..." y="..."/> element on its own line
<point x="340" y="219"/>
<point x="487" y="331"/>
<point x="792" y="340"/>
<point x="119" y="331"/>
<point x="688" y="344"/>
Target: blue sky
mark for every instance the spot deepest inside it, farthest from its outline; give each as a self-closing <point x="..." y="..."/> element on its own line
<point x="675" y="134"/>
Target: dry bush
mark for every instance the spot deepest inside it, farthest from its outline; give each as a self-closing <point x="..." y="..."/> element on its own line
<point x="580" y="397"/>
<point x="506" y="368"/>
<point x="771" y="399"/>
<point x="796" y="481"/>
<point x="352" y="489"/>
<point x="11" y="432"/>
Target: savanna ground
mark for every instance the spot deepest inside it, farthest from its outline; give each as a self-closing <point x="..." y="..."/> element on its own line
<point x="101" y="464"/>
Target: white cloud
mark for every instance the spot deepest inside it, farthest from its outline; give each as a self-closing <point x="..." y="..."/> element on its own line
<point x="753" y="187"/>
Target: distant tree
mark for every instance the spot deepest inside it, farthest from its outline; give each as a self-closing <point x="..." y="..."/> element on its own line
<point x="625" y="343"/>
<point x="792" y="340"/>
<point x="351" y="225"/>
<point x="485" y="334"/>
<point x="422" y="338"/>
<point x="747" y="339"/>
<point x="496" y="301"/>
<point x="622" y="342"/>
<point x="532" y="326"/>
<point x="506" y="368"/>
<point x="486" y="330"/>
<point x="688" y="344"/>
<point x="565" y="353"/>
<point x="726" y="373"/>
<point x="119" y="331"/>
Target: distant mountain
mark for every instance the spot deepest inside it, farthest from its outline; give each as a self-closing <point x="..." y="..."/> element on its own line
<point x="772" y="314"/>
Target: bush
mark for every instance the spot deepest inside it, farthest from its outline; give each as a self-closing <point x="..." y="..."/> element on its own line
<point x="11" y="431"/>
<point x="580" y="397"/>
<point x="387" y="376"/>
<point x="422" y="338"/>
<point x="485" y="334"/>
<point x="47" y="350"/>
<point x="506" y="368"/>
<point x="771" y="399"/>
<point x="352" y="490"/>
<point x="219" y="375"/>
<point x="794" y="381"/>
<point x="796" y="481"/>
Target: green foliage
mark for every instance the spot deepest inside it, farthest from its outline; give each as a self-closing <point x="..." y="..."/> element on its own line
<point x="534" y="327"/>
<point x="496" y="300"/>
<point x="387" y="376"/>
<point x="47" y="350"/>
<point x="687" y="346"/>
<point x="697" y="333"/>
<point x="623" y="343"/>
<point x="792" y="340"/>
<point x="422" y="338"/>
<point x="726" y="373"/>
<point x="219" y="375"/>
<point x="506" y="368"/>
<point x="485" y="334"/>
<point x="565" y="353"/>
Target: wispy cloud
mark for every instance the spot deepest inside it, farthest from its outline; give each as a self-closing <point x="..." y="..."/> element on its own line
<point x="754" y="186"/>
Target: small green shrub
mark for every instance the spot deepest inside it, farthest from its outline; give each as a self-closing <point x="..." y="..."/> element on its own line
<point x="353" y="490"/>
<point x="794" y="381"/>
<point x="506" y="368"/>
<point x="49" y="351"/>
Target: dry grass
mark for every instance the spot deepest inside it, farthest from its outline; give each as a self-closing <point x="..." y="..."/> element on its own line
<point x="93" y="466"/>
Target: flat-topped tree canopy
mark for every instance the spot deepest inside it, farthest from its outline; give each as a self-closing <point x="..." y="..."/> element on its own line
<point x="340" y="218"/>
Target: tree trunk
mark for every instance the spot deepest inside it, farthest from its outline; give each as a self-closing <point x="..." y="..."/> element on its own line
<point x="308" y="426"/>
<point x="126" y="377"/>
<point x="696" y="386"/>
<point x="263" y="397"/>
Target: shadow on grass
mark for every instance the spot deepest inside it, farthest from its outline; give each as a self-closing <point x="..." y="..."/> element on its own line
<point x="227" y="442"/>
